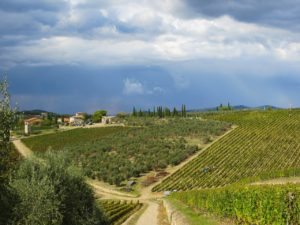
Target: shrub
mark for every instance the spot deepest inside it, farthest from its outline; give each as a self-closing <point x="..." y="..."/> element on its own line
<point x="51" y="191"/>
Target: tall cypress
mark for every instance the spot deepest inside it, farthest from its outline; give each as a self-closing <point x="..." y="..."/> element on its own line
<point x="134" y="112"/>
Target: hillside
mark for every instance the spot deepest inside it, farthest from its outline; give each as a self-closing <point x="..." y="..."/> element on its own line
<point x="265" y="144"/>
<point x="261" y="205"/>
<point x="116" y="154"/>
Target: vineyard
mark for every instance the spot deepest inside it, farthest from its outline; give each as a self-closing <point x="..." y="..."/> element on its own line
<point x="265" y="142"/>
<point x="262" y="205"/>
<point x="116" y="154"/>
<point x="117" y="211"/>
<point x="72" y="137"/>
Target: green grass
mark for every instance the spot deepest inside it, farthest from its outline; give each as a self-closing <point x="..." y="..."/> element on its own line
<point x="193" y="217"/>
<point x="265" y="142"/>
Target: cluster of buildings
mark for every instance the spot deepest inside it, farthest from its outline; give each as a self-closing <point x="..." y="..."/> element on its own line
<point x="79" y="119"/>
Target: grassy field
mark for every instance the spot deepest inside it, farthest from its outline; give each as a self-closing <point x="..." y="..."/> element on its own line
<point x="265" y="144"/>
<point x="191" y="215"/>
<point x="116" y="154"/>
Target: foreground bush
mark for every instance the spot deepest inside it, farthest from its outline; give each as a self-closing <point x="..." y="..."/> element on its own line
<point x="248" y="205"/>
<point x="53" y="192"/>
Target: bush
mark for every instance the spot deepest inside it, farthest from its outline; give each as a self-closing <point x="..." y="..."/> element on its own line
<point x="51" y="191"/>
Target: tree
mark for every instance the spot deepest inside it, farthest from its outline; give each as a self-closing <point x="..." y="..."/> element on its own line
<point x="175" y="112"/>
<point x="122" y="115"/>
<point x="134" y="113"/>
<point x="97" y="116"/>
<point x="167" y="112"/>
<point x="141" y="113"/>
<point x="229" y="107"/>
<point x="183" y="110"/>
<point x="58" y="191"/>
<point x="7" y="122"/>
<point x="86" y="117"/>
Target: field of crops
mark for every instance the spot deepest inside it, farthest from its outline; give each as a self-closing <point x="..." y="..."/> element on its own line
<point x="117" y="211"/>
<point x="116" y="154"/>
<point x="262" y="205"/>
<point x="72" y="137"/>
<point x="264" y="142"/>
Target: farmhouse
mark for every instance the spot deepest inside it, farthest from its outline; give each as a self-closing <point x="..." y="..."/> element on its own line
<point x="106" y="119"/>
<point x="29" y="122"/>
<point x="67" y="120"/>
<point x="33" y="121"/>
<point x="80" y="114"/>
<point x="78" y="119"/>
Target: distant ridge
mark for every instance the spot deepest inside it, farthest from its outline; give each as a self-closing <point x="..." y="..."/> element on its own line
<point x="36" y="112"/>
<point x="236" y="107"/>
<point x="267" y="107"/>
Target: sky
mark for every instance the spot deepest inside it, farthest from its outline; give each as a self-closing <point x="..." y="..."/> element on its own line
<point x="82" y="55"/>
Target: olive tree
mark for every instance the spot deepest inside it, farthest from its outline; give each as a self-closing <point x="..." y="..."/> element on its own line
<point x="7" y="121"/>
<point x="53" y="192"/>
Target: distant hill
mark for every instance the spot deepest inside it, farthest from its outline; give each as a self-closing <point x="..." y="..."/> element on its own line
<point x="236" y="107"/>
<point x="267" y="107"/>
<point x="35" y="112"/>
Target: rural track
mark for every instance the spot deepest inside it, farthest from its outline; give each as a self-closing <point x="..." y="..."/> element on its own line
<point x="150" y="216"/>
<point x="22" y="148"/>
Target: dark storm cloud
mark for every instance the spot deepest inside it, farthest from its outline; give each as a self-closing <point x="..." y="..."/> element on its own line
<point x="30" y="5"/>
<point x="71" y="88"/>
<point x="281" y="13"/>
<point x="98" y="51"/>
<point x="32" y="17"/>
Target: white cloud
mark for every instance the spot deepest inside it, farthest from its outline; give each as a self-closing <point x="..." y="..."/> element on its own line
<point x="139" y="33"/>
<point x="132" y="86"/>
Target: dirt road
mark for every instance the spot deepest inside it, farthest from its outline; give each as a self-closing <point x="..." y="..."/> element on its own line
<point x="149" y="217"/>
<point x="22" y="149"/>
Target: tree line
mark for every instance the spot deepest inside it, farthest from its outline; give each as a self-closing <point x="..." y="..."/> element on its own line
<point x="160" y="112"/>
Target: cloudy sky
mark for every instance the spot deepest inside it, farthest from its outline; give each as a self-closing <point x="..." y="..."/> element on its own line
<point x="82" y="55"/>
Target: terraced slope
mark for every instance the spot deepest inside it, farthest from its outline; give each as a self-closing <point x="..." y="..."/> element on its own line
<point x="264" y="142"/>
<point x="118" y="211"/>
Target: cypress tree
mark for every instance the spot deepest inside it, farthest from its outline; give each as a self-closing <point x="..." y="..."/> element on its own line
<point x="140" y="113"/>
<point x="175" y="112"/>
<point x="134" y="112"/>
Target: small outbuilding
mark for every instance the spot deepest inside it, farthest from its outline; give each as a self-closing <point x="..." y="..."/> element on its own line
<point x="29" y="122"/>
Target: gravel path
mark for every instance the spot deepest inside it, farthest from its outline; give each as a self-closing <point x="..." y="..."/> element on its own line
<point x="149" y="217"/>
<point x="22" y="148"/>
